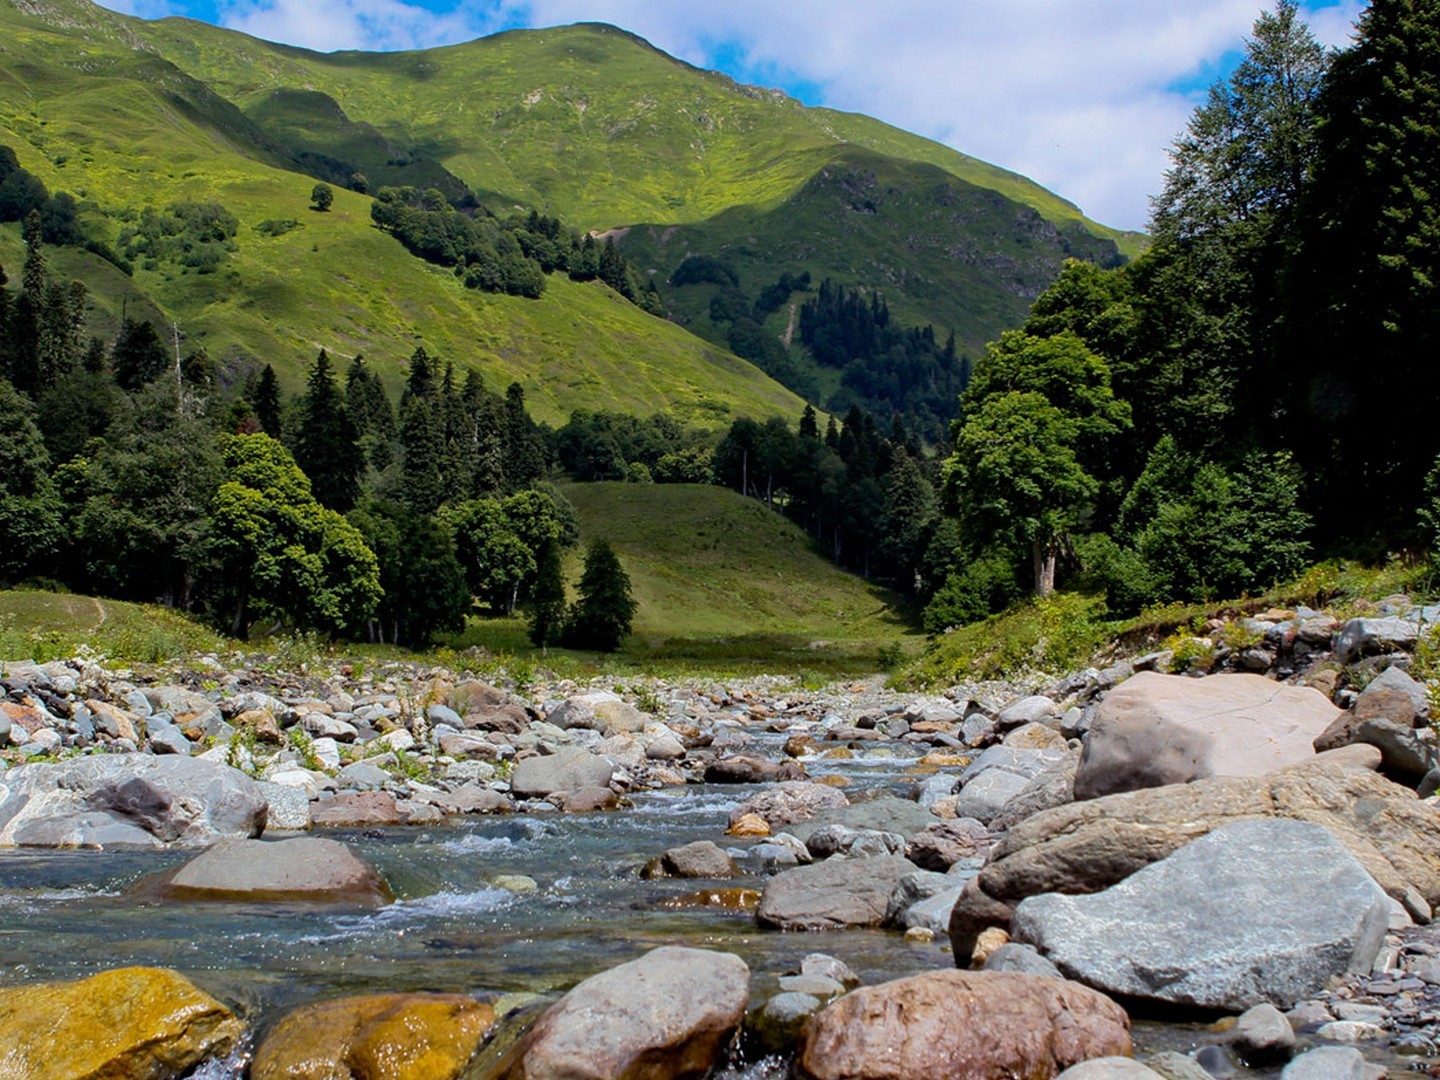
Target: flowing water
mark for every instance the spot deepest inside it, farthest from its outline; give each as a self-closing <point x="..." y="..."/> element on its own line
<point x="66" y="914"/>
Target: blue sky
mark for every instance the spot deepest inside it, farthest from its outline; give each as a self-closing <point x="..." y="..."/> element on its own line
<point x="1082" y="95"/>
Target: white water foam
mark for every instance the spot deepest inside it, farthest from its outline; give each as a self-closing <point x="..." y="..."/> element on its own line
<point x="403" y="914"/>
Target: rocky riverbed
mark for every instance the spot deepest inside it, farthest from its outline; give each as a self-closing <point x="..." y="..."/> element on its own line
<point x="424" y="872"/>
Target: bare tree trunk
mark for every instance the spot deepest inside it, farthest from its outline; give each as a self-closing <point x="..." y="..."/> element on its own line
<point x="1045" y="552"/>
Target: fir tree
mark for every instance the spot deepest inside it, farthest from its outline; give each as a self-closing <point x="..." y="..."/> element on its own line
<point x="138" y="355"/>
<point x="547" y="598"/>
<point x="326" y="447"/>
<point x="602" y="615"/>
<point x="266" y="402"/>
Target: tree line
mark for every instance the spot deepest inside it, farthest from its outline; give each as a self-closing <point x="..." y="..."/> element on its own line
<point x="127" y="470"/>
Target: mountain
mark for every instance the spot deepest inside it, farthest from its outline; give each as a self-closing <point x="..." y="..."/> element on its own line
<point x="587" y="123"/>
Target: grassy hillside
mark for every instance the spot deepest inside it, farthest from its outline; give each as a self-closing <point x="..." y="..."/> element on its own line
<point x="46" y="626"/>
<point x="714" y="572"/>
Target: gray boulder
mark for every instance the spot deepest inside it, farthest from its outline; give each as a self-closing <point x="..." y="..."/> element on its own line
<point x="289" y="807"/>
<point x="856" y="843"/>
<point x="306" y="869"/>
<point x="600" y="711"/>
<point x="789" y="803"/>
<point x="832" y="894"/>
<point x="1110" y="1068"/>
<point x="1036" y="709"/>
<point x="1263" y="1035"/>
<point x="1255" y="911"/>
<point x="1157" y="729"/>
<point x="135" y="800"/>
<point x="1364" y="637"/>
<point x="998" y="776"/>
<point x="886" y="814"/>
<point x="702" y="859"/>
<point x="564" y="770"/>
<point x="1328" y="1063"/>
<point x="669" y="1013"/>
<point x="1024" y="959"/>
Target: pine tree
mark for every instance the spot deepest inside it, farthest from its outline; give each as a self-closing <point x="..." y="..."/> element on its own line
<point x="326" y="447"/>
<point x="266" y="402"/>
<point x="138" y="355"/>
<point x="524" y="456"/>
<point x="602" y="615"/>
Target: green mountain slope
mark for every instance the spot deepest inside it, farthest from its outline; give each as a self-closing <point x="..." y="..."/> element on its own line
<point x="587" y="122"/>
<point x="735" y="569"/>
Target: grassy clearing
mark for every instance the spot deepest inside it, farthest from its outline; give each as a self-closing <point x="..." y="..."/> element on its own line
<point x="45" y="626"/>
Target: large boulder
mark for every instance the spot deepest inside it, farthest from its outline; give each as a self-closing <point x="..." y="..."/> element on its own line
<point x="1255" y="911"/>
<point x="1087" y="846"/>
<point x="128" y="800"/>
<point x="789" y="803"/>
<point x="1000" y="775"/>
<point x="600" y="711"/>
<point x="833" y="894"/>
<point x="565" y="770"/>
<point x="981" y="1025"/>
<point x="1391" y="714"/>
<point x="128" y="1024"/>
<point x="303" y="869"/>
<point x="375" y="1037"/>
<point x="667" y="1014"/>
<point x="1158" y="729"/>
<point x="1361" y="637"/>
<point x="356" y="810"/>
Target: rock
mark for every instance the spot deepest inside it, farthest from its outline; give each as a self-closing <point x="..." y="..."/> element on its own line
<point x="776" y="1027"/>
<point x="362" y="776"/>
<point x="288" y="808"/>
<point x="444" y="714"/>
<point x="1255" y="911"/>
<point x="1168" y="729"/>
<point x="1110" y="1068"/>
<point x="129" y="1024"/>
<point x="1263" y="1036"/>
<point x="665" y="748"/>
<point x="886" y="814"/>
<point x="1176" y="1066"/>
<point x="168" y="739"/>
<point x="788" y="803"/>
<point x="509" y="719"/>
<point x="1327" y="1063"/>
<point x="913" y="888"/>
<point x="738" y="900"/>
<point x="1035" y="737"/>
<point x="932" y="913"/>
<point x="750" y="825"/>
<point x="835" y="893"/>
<point x="829" y="967"/>
<point x="1046" y="790"/>
<point x="1088" y="846"/>
<point x="355" y="810"/>
<point x="599" y="711"/>
<point x="702" y="859"/>
<point x="301" y="870"/>
<point x="998" y="776"/>
<point x="976" y="1024"/>
<point x="585" y="800"/>
<point x="389" y="1036"/>
<point x="472" y="799"/>
<point x="1351" y="1031"/>
<point x="466" y="744"/>
<point x="472" y="695"/>
<point x="516" y="883"/>
<point x="138" y="800"/>
<point x="1363" y="637"/>
<point x="564" y="770"/>
<point x="262" y="724"/>
<point x="319" y="726"/>
<point x="667" y="1014"/>
<point x="1386" y="716"/>
<point x="814" y="985"/>
<point x="856" y="843"/>
<point x="1036" y="709"/>
<point x="1024" y="959"/>
<point x="750" y="769"/>
<point x="327" y="752"/>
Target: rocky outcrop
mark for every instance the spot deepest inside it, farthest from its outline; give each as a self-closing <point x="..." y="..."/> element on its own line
<point x="376" y="1037"/>
<point x="976" y="1024"/>
<point x="1253" y="912"/>
<point x="302" y="870"/>
<point x="128" y="1024"/>
<point x="128" y="800"/>
<point x="667" y="1014"/>
<point x="1154" y="730"/>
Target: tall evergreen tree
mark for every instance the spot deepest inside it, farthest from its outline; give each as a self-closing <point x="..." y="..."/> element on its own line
<point x="326" y="446"/>
<point x="547" y="598"/>
<point x="137" y="356"/>
<point x="605" y="609"/>
<point x="524" y="455"/>
<point x="267" y="402"/>
<point x="1363" y="326"/>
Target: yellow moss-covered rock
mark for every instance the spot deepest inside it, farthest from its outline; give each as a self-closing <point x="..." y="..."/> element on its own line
<point x="375" y="1037"/>
<point x="128" y="1024"/>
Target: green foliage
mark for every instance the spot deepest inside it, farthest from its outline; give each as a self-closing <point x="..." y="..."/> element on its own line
<point x="984" y="585"/>
<point x="326" y="441"/>
<point x="321" y="197"/>
<point x="547" y="598"/>
<point x="197" y="236"/>
<point x="601" y="615"/>
<point x="30" y="528"/>
<point x="425" y="592"/>
<point x="284" y="554"/>
<point x="1053" y="634"/>
<point x="138" y="356"/>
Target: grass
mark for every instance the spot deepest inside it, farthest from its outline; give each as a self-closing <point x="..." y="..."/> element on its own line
<point x="44" y="626"/>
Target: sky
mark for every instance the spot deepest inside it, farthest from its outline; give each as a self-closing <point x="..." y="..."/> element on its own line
<point x="1083" y="96"/>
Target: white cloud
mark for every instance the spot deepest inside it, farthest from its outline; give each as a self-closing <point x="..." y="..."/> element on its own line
<point x="1083" y="96"/>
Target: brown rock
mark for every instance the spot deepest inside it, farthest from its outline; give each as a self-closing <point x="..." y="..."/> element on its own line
<point x="355" y="809"/>
<point x="749" y="825"/>
<point x="990" y="939"/>
<point x="1088" y="846"/>
<point x="1157" y="729"/>
<point x="746" y="769"/>
<point x="304" y="869"/>
<point x="721" y="899"/>
<point x="473" y="695"/>
<point x="980" y="1025"/>
<point x="375" y="1037"/>
<point x="129" y="1024"/>
<point x="800" y="744"/>
<point x="947" y="842"/>
<point x="585" y="800"/>
<point x="506" y="719"/>
<point x="262" y="723"/>
<point x="472" y="799"/>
